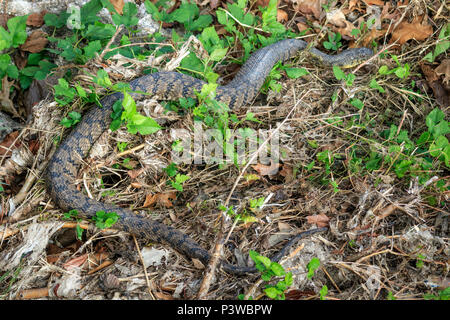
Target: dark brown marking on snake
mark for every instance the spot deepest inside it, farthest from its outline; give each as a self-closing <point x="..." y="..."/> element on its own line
<point x="65" y="163"/>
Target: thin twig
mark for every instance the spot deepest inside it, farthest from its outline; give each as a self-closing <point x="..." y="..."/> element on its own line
<point x="144" y="267"/>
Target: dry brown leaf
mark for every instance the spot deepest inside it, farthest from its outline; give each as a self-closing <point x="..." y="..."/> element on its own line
<point x="9" y="143"/>
<point x="133" y="174"/>
<point x="374" y="2"/>
<point x="353" y="4"/>
<point x="429" y="73"/>
<point x="302" y="26"/>
<point x="282" y="16"/>
<point x="150" y="199"/>
<point x="407" y="31"/>
<point x="36" y="19"/>
<point x="287" y="172"/>
<point x="308" y="7"/>
<point x="337" y="18"/>
<point x="75" y="262"/>
<point x="136" y="185"/>
<point x="433" y="80"/>
<point x="198" y="264"/>
<point x="264" y="170"/>
<point x="118" y="5"/>
<point x="320" y="220"/>
<point x="444" y="69"/>
<point x="35" y="42"/>
<point x="164" y="199"/>
<point x="214" y="4"/>
<point x="344" y="27"/>
<point x="262" y="3"/>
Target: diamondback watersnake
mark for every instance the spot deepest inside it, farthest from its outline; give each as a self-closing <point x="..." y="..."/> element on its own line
<point x="65" y="163"/>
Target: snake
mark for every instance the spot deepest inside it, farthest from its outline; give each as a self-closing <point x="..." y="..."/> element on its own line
<point x="63" y="167"/>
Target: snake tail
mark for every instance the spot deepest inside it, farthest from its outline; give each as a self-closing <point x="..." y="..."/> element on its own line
<point x="63" y="167"/>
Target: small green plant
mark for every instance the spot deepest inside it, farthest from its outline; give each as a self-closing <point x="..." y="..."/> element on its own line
<point x="401" y="71"/>
<point x="272" y="271"/>
<point x="334" y="41"/>
<point x="176" y="179"/>
<point x="73" y="215"/>
<point x="255" y="204"/>
<point x="72" y="119"/>
<point x="390" y="296"/>
<point x="442" y="295"/>
<point x="104" y="219"/>
<point x="312" y="266"/>
<point x="442" y="45"/>
<point x="323" y="292"/>
<point x="419" y="261"/>
<point x="341" y="75"/>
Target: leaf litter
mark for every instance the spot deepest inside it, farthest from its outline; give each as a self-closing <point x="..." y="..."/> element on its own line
<point x="378" y="230"/>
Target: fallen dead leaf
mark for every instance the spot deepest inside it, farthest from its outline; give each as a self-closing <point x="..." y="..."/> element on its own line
<point x="133" y="174"/>
<point x="337" y="18"/>
<point x="75" y="262"/>
<point x="320" y="220"/>
<point x="118" y="5"/>
<point x="163" y="199"/>
<point x="36" y="19"/>
<point x="308" y="7"/>
<point x="374" y="2"/>
<point x="264" y="170"/>
<point x="344" y="27"/>
<point x="302" y="26"/>
<point x="214" y="4"/>
<point x="262" y="3"/>
<point x="282" y="16"/>
<point x="433" y="80"/>
<point x="150" y="199"/>
<point x="35" y="42"/>
<point x="287" y="172"/>
<point x="198" y="264"/>
<point x="406" y="31"/>
<point x="444" y="69"/>
<point x="9" y="143"/>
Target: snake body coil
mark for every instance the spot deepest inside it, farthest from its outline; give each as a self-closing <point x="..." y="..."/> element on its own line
<point x="65" y="163"/>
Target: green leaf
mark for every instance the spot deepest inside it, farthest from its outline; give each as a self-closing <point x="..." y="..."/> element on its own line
<point x="128" y="18"/>
<point x="264" y="260"/>
<point x="323" y="292"/>
<point x="88" y="12"/>
<point x="374" y="85"/>
<point x="218" y="54"/>
<point x="63" y="94"/>
<point x="384" y="70"/>
<point x="271" y="292"/>
<point x="92" y="48"/>
<point x="153" y="10"/>
<point x="17" y="30"/>
<point x="277" y="269"/>
<point x="185" y="13"/>
<point x="402" y="167"/>
<point x="288" y="279"/>
<point x="142" y="124"/>
<point x="433" y="118"/>
<point x="357" y="103"/>
<point x="56" y="20"/>
<point x="199" y="24"/>
<point x="338" y="73"/>
<point x="438" y="146"/>
<point x="312" y="266"/>
<point x="295" y="73"/>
